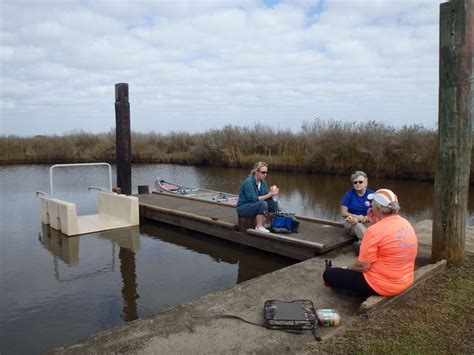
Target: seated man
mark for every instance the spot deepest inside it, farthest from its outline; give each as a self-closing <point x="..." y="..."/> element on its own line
<point x="386" y="261"/>
<point x="255" y="199"/>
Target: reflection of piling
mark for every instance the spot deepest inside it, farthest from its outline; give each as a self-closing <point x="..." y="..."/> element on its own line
<point x="129" y="289"/>
<point x="454" y="129"/>
<point x="123" y="146"/>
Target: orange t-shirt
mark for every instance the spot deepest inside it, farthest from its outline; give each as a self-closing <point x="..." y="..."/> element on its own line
<point x="390" y="246"/>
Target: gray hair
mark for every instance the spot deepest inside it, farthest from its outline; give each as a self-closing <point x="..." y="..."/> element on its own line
<point x="257" y="166"/>
<point x="358" y="173"/>
<point x="393" y="208"/>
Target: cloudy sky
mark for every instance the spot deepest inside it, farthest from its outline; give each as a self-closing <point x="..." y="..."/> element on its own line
<point x="201" y="64"/>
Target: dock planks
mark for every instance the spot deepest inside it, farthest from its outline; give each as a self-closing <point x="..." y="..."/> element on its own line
<point x="315" y="236"/>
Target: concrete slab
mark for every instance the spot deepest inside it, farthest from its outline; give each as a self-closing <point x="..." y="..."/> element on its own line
<point x="194" y="327"/>
<point x="187" y="328"/>
<point x="424" y="230"/>
<point x="113" y="211"/>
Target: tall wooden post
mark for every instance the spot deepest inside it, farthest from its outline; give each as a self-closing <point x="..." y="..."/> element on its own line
<point x="123" y="146"/>
<point x="454" y="130"/>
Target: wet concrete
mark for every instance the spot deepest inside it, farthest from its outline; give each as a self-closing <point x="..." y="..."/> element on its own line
<point x="194" y="327"/>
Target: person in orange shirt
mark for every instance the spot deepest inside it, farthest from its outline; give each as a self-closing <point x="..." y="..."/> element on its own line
<point x="387" y="254"/>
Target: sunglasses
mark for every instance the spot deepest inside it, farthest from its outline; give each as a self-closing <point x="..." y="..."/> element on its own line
<point x="263" y="172"/>
<point x="358" y="182"/>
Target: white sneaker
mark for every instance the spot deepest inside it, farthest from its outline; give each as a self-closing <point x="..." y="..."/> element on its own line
<point x="262" y="229"/>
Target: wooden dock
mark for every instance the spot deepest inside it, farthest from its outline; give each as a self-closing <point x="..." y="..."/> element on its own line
<point x="315" y="236"/>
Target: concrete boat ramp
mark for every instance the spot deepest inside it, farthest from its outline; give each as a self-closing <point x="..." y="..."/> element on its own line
<point x="196" y="328"/>
<point x="192" y="328"/>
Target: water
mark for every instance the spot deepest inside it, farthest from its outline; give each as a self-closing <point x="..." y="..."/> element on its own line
<point x="57" y="289"/>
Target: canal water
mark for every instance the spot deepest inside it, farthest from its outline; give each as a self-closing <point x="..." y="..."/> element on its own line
<point x="57" y="289"/>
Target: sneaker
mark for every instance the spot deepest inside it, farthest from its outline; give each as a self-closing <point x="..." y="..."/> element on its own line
<point x="262" y="229"/>
<point x="267" y="225"/>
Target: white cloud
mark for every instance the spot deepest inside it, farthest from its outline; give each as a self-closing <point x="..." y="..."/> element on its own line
<point x="197" y="65"/>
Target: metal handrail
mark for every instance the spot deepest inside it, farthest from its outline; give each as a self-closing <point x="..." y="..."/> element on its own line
<point x="77" y="164"/>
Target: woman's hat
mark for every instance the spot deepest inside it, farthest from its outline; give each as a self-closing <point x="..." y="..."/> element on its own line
<point x="384" y="197"/>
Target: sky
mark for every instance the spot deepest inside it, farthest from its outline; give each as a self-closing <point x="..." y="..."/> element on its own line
<point x="198" y="65"/>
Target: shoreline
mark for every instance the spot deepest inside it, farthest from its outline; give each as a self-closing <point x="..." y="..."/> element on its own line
<point x="323" y="147"/>
<point x="194" y="326"/>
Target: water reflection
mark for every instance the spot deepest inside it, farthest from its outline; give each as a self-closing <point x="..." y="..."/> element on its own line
<point x="59" y="245"/>
<point x="125" y="238"/>
<point x="129" y="280"/>
<point x="81" y="285"/>
<point x="247" y="259"/>
<point x="67" y="248"/>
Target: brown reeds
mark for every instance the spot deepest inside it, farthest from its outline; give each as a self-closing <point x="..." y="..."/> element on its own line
<point x="327" y="147"/>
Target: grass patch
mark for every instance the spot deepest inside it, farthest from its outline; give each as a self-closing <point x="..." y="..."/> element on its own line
<point x="435" y="318"/>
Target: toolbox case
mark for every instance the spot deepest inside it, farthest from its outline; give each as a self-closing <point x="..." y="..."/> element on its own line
<point x="291" y="315"/>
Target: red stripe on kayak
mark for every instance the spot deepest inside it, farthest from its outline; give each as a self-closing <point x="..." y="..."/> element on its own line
<point x="169" y="186"/>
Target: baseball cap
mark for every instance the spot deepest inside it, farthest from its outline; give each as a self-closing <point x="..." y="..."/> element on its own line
<point x="384" y="197"/>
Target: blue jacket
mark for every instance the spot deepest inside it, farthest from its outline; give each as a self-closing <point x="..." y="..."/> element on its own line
<point x="249" y="192"/>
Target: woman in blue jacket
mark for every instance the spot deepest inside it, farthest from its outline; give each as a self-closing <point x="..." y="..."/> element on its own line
<point x="255" y="198"/>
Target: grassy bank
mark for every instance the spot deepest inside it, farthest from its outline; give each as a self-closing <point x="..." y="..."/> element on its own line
<point x="435" y="318"/>
<point x="328" y="147"/>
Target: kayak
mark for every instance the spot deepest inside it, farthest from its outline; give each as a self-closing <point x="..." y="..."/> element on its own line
<point x="163" y="185"/>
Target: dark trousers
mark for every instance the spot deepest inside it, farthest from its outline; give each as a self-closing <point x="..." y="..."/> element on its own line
<point x="352" y="282"/>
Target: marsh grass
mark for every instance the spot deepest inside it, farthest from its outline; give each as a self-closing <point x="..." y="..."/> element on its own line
<point x="327" y="147"/>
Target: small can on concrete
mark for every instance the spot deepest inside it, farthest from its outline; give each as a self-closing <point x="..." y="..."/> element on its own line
<point x="328" y="318"/>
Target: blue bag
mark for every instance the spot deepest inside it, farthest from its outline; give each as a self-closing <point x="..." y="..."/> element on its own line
<point x="284" y="223"/>
<point x="278" y="221"/>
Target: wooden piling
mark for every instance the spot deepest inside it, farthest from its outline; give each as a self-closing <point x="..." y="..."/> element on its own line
<point x="117" y="190"/>
<point x="143" y="189"/>
<point x="454" y="130"/>
<point x="123" y="146"/>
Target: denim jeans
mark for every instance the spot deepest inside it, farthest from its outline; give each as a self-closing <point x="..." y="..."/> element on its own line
<point x="257" y="208"/>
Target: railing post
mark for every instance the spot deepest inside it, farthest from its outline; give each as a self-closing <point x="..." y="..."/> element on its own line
<point x="123" y="146"/>
<point x="454" y="130"/>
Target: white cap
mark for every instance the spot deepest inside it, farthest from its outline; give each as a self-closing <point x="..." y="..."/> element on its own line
<point x="384" y="197"/>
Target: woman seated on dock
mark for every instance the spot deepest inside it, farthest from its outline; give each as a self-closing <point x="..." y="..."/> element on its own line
<point x="355" y="204"/>
<point x="255" y="199"/>
<point x="386" y="261"/>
